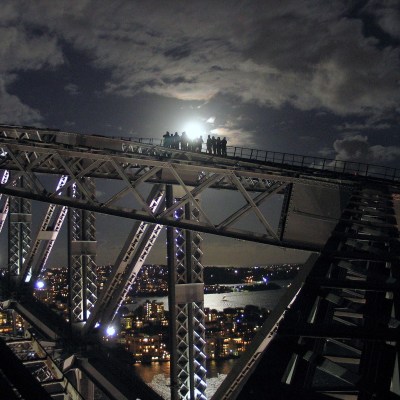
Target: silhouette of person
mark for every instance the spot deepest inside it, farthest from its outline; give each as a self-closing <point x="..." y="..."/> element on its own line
<point x="199" y="144"/>
<point x="218" y="145"/>
<point x="223" y="146"/>
<point x="209" y="145"/>
<point x="184" y="141"/>
<point x="190" y="144"/>
<point x="176" y="141"/>
<point x="214" y="145"/>
<point x="167" y="137"/>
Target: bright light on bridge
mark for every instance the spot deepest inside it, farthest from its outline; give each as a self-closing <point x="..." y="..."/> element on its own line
<point x="110" y="331"/>
<point x="39" y="285"/>
<point x="194" y="130"/>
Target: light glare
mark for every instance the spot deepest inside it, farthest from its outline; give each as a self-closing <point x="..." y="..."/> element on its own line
<point x="194" y="130"/>
<point x="39" y="284"/>
<point x="110" y="331"/>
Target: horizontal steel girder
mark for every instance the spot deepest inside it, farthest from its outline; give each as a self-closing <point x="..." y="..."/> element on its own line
<point x="253" y="185"/>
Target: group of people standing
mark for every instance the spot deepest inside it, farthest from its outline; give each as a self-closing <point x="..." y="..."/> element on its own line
<point x="214" y="145"/>
<point x="182" y="142"/>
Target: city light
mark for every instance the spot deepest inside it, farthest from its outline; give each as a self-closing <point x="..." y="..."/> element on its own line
<point x="28" y="276"/>
<point x="39" y="285"/>
<point x="227" y="333"/>
<point x="110" y="331"/>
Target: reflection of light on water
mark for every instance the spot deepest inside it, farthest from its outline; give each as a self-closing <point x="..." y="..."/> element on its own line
<point x="161" y="385"/>
<point x="148" y="371"/>
<point x="266" y="298"/>
<point x="157" y="374"/>
<point x="159" y="381"/>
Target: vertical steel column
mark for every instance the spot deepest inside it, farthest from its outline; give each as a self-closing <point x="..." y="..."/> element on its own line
<point x="5" y="207"/>
<point x="81" y="258"/>
<point x="171" y="259"/>
<point x="187" y="308"/>
<point x="19" y="232"/>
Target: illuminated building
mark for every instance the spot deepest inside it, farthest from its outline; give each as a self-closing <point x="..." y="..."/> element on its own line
<point x="153" y="311"/>
<point x="5" y="322"/>
<point x="127" y="321"/>
<point x="146" y="348"/>
<point x="11" y="322"/>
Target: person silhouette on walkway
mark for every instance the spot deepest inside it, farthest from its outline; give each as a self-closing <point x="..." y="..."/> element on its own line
<point x="223" y="146"/>
<point x="209" y="145"/>
<point x="176" y="141"/>
<point x="218" y="145"/>
<point x="214" y="145"/>
<point x="184" y="141"/>
<point x="199" y="144"/>
<point x="167" y="138"/>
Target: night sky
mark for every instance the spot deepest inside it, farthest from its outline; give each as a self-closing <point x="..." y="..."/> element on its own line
<point x="319" y="78"/>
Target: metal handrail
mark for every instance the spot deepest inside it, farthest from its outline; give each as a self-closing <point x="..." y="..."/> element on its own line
<point x="274" y="158"/>
<point x="321" y="164"/>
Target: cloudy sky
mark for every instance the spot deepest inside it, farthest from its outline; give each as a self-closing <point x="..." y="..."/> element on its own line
<point x="312" y="77"/>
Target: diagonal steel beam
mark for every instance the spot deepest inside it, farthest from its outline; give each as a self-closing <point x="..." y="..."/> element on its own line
<point x="253" y="205"/>
<point x="247" y="207"/>
<point x="131" y="187"/>
<point x="195" y="192"/>
<point x="25" y="171"/>
<point x="75" y="179"/>
<point x="127" y="265"/>
<point x="191" y="197"/>
<point x="142" y="178"/>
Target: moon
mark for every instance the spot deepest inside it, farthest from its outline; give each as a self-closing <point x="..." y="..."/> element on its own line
<point x="194" y="130"/>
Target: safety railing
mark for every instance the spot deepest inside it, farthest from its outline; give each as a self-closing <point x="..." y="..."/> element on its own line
<point x="316" y="163"/>
<point x="299" y="161"/>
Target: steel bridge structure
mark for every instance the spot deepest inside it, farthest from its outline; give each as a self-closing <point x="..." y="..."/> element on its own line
<point x="334" y="334"/>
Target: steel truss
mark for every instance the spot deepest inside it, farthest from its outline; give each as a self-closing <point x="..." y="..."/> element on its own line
<point x="128" y="264"/>
<point x="87" y="368"/>
<point x="37" y="359"/>
<point x="5" y="207"/>
<point x="19" y="231"/>
<point x="109" y="159"/>
<point x="82" y="253"/>
<point x="330" y="332"/>
<point x="186" y="302"/>
<point x="45" y="239"/>
<point x="340" y="336"/>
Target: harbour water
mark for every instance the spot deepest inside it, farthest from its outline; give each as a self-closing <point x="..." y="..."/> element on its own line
<point x="157" y="374"/>
<point x="214" y="368"/>
<point x="266" y="298"/>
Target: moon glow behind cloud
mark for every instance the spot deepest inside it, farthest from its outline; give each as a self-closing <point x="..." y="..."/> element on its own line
<point x="194" y="130"/>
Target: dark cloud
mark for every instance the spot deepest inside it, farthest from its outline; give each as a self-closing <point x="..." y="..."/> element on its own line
<point x="357" y="148"/>
<point x="20" y="51"/>
<point x="14" y="111"/>
<point x="72" y="89"/>
<point x="313" y="55"/>
<point x="387" y="14"/>
<point x="357" y="126"/>
<point x="267" y="52"/>
<point x="177" y="53"/>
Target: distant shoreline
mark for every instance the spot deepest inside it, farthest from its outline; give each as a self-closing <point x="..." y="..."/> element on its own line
<point x="212" y="289"/>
